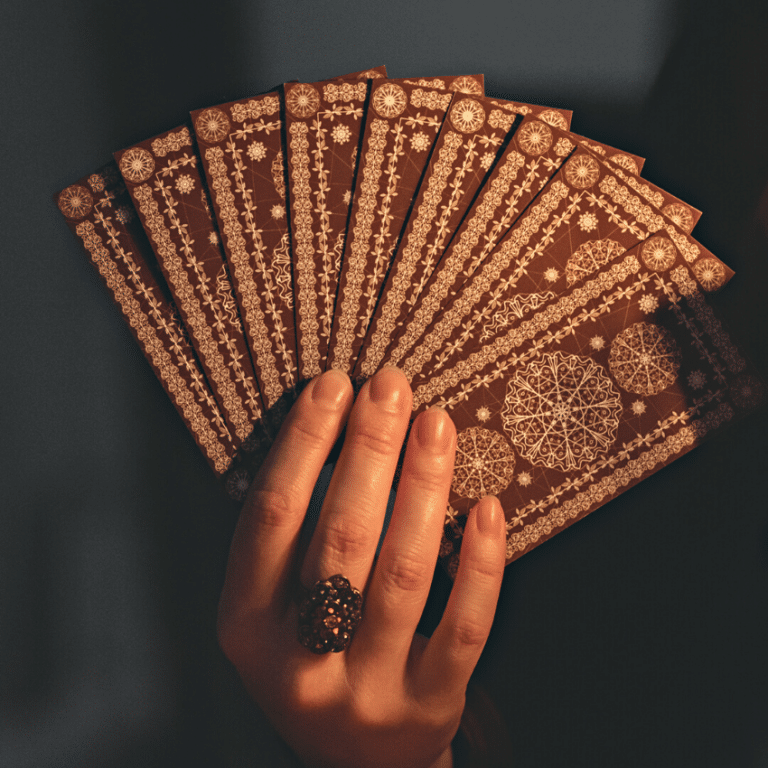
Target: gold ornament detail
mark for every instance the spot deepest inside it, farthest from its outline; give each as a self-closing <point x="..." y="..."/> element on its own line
<point x="75" y="202"/>
<point x="554" y="118"/>
<point x="302" y="100"/>
<point x="680" y="215"/>
<point x="589" y="257"/>
<point x="625" y="162"/>
<point x="535" y="138"/>
<point x="485" y="463"/>
<point x="389" y="100"/>
<point x="466" y="84"/>
<point x="212" y="125"/>
<point x="644" y="359"/>
<point x="467" y="116"/>
<point x="137" y="165"/>
<point x="582" y="171"/>
<point x="710" y="273"/>
<point x="658" y="253"/>
<point x="561" y="411"/>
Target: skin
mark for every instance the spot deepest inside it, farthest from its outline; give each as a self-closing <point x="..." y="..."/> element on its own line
<point x="393" y="698"/>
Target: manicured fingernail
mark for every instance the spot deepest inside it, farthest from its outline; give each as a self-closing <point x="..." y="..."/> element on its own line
<point x="489" y="516"/>
<point x="331" y="389"/>
<point x="433" y="429"/>
<point x="388" y="390"/>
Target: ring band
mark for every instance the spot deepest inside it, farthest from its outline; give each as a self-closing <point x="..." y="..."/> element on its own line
<point x="329" y="615"/>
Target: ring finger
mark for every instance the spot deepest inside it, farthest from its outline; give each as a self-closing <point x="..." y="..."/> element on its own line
<point x="355" y="505"/>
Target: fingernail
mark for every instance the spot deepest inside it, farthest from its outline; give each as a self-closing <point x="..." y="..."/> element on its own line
<point x="489" y="516"/>
<point x="331" y="389"/>
<point x="387" y="389"/>
<point x="433" y="429"/>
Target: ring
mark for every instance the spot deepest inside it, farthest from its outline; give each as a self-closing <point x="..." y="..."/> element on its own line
<point x="329" y="615"/>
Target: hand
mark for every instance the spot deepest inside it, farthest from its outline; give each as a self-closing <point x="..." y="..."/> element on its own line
<point x="393" y="699"/>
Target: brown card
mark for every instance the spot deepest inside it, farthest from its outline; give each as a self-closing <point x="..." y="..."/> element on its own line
<point x="164" y="180"/>
<point x="323" y="123"/>
<point x="99" y="211"/>
<point x="582" y="221"/>
<point x="241" y="150"/>
<point x="581" y="400"/>
<point x="458" y="168"/>
<point x="401" y="129"/>
<point x="490" y="220"/>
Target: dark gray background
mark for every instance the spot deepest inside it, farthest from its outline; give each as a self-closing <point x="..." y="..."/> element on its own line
<point x="636" y="638"/>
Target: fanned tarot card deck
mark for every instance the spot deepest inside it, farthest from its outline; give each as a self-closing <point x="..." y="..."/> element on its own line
<point x="522" y="276"/>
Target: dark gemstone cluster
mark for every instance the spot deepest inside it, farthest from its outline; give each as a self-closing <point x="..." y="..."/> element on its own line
<point x="329" y="615"/>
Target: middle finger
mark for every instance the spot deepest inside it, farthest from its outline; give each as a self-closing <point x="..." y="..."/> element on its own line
<point x="356" y="502"/>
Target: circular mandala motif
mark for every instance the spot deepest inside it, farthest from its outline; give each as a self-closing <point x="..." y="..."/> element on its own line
<point x="680" y="215"/>
<point x="212" y="125"/>
<point x="582" y="171"/>
<point x="747" y="391"/>
<point x="237" y="484"/>
<point x="302" y="100"/>
<point x="467" y="116"/>
<point x="562" y="411"/>
<point x="589" y="257"/>
<point x="710" y="273"/>
<point x="658" y="253"/>
<point x="644" y="359"/>
<point x="137" y="165"/>
<point x="535" y="138"/>
<point x="484" y="464"/>
<point x="467" y="84"/>
<point x="75" y="202"/>
<point x="554" y="118"/>
<point x="625" y="162"/>
<point x="389" y="100"/>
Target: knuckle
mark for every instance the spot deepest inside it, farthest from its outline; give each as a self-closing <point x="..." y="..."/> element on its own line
<point x="469" y="634"/>
<point x="274" y="507"/>
<point x="345" y="538"/>
<point x="376" y="440"/>
<point x="405" y="573"/>
<point x="307" y="429"/>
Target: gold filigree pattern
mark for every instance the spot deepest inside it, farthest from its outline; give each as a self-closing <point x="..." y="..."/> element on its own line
<point x="467" y="116"/>
<point x="333" y="92"/>
<point x="632" y="204"/>
<point x="255" y="108"/>
<point x="554" y="118"/>
<point x="389" y="100"/>
<point x="500" y="119"/>
<point x="582" y="171"/>
<point x="709" y="273"/>
<point x="137" y="165"/>
<point x="589" y="257"/>
<point x="309" y="354"/>
<point x="302" y="100"/>
<point x="173" y="142"/>
<point x="430" y="99"/>
<point x="644" y="359"/>
<point x="406" y="264"/>
<point x="239" y="257"/>
<point x="485" y="463"/>
<point x="361" y="233"/>
<point x="212" y="125"/>
<point x="75" y="202"/>
<point x="625" y="162"/>
<point x="561" y="411"/>
<point x="425" y="83"/>
<point x="680" y="215"/>
<point x="467" y="84"/>
<point x="535" y="138"/>
<point x="278" y="174"/>
<point x="146" y="333"/>
<point x="658" y="253"/>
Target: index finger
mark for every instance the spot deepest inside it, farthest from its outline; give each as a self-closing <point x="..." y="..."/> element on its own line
<point x="267" y="532"/>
